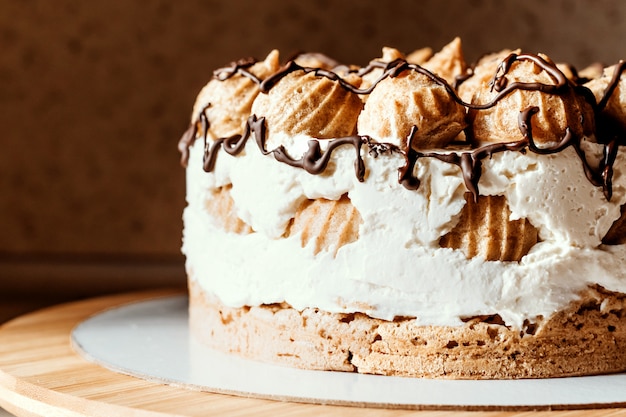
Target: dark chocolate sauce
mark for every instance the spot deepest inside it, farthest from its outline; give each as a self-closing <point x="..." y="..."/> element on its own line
<point x="554" y="73"/>
<point x="233" y="145"/>
<point x="292" y="66"/>
<point x="606" y="175"/>
<point x="238" y="67"/>
<point x="391" y="69"/>
<point x="405" y="173"/>
<point x="470" y="161"/>
<point x="315" y="161"/>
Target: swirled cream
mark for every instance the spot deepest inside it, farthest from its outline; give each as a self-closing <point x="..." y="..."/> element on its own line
<point x="396" y="267"/>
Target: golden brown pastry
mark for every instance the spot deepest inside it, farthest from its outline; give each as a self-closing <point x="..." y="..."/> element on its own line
<point x="303" y="103"/>
<point x="412" y="99"/>
<point x="449" y="63"/>
<point x="485" y="230"/>
<point x="550" y="113"/>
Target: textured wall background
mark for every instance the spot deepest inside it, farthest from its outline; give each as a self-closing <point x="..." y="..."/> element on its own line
<point x="94" y="95"/>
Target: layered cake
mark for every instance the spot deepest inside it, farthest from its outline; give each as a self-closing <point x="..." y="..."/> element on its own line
<point x="418" y="216"/>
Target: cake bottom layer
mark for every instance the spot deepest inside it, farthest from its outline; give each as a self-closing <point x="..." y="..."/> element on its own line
<point x="589" y="337"/>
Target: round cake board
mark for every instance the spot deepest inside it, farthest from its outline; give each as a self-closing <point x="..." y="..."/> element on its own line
<point x="126" y="369"/>
<point x="151" y="340"/>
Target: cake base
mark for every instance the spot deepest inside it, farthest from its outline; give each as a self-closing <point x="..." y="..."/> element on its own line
<point x="587" y="338"/>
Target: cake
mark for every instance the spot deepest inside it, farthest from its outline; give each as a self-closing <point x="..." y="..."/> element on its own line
<point x="418" y="216"/>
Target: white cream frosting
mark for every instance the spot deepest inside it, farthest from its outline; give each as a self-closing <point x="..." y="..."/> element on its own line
<point x="396" y="267"/>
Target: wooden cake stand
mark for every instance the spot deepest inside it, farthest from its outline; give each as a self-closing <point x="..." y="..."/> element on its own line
<point x="41" y="375"/>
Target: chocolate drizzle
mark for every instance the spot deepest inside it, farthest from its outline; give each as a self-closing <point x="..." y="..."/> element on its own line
<point x="238" y="67"/>
<point x="500" y="82"/>
<point x="232" y="145"/>
<point x="390" y="69"/>
<point x="405" y="173"/>
<point x="315" y="161"/>
<point x="470" y="161"/>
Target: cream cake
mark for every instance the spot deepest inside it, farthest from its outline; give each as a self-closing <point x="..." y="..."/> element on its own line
<point x="418" y="216"/>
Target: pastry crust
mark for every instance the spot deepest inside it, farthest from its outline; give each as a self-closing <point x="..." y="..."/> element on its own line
<point x="485" y="229"/>
<point x="589" y="337"/>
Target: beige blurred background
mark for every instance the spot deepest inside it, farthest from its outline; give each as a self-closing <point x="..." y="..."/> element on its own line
<point x="94" y="96"/>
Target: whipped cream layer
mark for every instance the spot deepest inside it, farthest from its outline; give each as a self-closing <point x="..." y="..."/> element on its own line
<point x="396" y="266"/>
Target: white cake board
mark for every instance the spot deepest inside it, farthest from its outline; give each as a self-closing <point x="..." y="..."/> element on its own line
<point x="151" y="340"/>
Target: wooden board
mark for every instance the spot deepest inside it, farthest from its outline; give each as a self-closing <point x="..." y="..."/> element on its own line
<point x="40" y="375"/>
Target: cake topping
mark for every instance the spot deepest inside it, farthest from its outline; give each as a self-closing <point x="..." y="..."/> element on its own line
<point x="227" y="99"/>
<point x="524" y="82"/>
<point x="481" y="74"/>
<point x="408" y="99"/>
<point x="527" y="104"/>
<point x="224" y="104"/>
<point x="303" y="103"/>
<point x="372" y="73"/>
<point x="449" y="63"/>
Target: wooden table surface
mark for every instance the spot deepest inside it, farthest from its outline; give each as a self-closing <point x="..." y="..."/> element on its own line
<point x="41" y="375"/>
